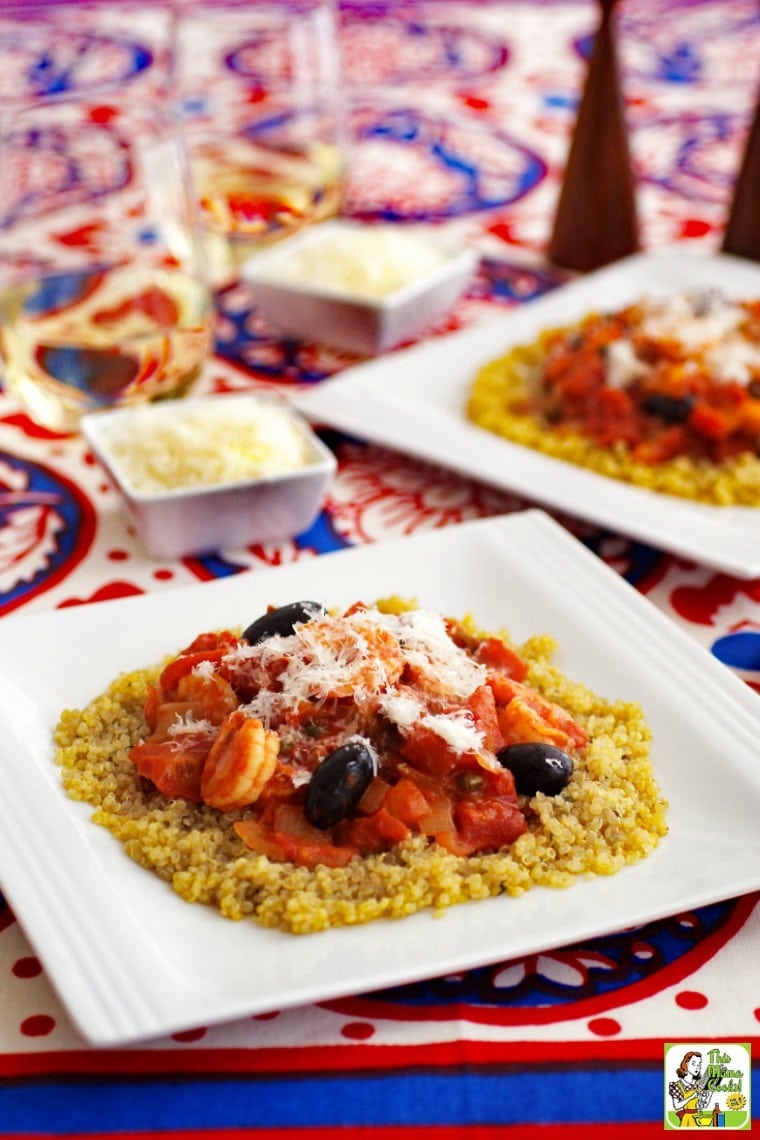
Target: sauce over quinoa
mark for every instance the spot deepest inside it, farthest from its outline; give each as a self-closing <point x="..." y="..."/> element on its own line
<point x="349" y="733"/>
<point x="428" y="781"/>
<point x="664" y="394"/>
<point x="665" y="377"/>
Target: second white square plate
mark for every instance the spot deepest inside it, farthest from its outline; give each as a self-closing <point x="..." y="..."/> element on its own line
<point x="414" y="401"/>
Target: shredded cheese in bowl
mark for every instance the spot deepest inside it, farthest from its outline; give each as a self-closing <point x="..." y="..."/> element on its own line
<point x="206" y="446"/>
<point x="371" y="263"/>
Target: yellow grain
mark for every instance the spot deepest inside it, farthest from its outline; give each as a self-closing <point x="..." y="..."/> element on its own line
<point x="498" y="389"/>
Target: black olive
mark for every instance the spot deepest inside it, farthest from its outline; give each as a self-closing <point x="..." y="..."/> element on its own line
<point x="672" y="409"/>
<point x="339" y="783"/>
<point x="537" y="767"/>
<point x="281" y="621"/>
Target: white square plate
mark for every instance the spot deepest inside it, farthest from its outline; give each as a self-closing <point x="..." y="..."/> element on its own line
<point x="414" y="401"/>
<point x="131" y="960"/>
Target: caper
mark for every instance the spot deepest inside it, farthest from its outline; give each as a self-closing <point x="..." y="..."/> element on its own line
<point x="313" y="730"/>
<point x="339" y="783"/>
<point x="537" y="767"/>
<point x="281" y="621"/>
<point x="470" y="781"/>
<point x="672" y="409"/>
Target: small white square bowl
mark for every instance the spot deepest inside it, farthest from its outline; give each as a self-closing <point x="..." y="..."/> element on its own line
<point x="199" y="519"/>
<point x="285" y="281"/>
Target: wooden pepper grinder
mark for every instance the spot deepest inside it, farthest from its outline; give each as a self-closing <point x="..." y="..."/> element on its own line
<point x="596" y="221"/>
<point x="742" y="234"/>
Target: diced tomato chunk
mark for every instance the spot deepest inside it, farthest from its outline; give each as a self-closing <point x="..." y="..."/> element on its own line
<point x="751" y="416"/>
<point x="406" y="802"/>
<point x="283" y="847"/>
<point x="375" y="832"/>
<point x="575" y="376"/>
<point x="530" y="716"/>
<point x="183" y="664"/>
<point x="212" y="640"/>
<point x="207" y="647"/>
<point x="426" y="750"/>
<point x="374" y="796"/>
<point x="713" y="422"/>
<point x="667" y="445"/>
<point x="309" y="854"/>
<point x="488" y="824"/>
<point x="150" y="708"/>
<point x="291" y="818"/>
<point x="482" y="704"/>
<point x="175" y="765"/>
<point x="498" y="655"/>
<point x="504" y="688"/>
<point x="498" y="781"/>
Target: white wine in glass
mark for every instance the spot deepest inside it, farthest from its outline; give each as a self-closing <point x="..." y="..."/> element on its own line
<point x="104" y="289"/>
<point x="259" y="88"/>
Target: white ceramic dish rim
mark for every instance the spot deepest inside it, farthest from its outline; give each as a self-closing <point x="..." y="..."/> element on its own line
<point x="94" y="428"/>
<point x="456" y="261"/>
<point x="132" y="961"/>
<point x="413" y="399"/>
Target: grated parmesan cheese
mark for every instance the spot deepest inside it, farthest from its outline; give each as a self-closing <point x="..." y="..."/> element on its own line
<point x="705" y="325"/>
<point x="457" y="729"/>
<point x="370" y="262"/>
<point x="623" y="365"/>
<point x="734" y="360"/>
<point x="188" y="723"/>
<point x="694" y="320"/>
<point x="204" y="446"/>
<point x="364" y="654"/>
<point x="428" y="647"/>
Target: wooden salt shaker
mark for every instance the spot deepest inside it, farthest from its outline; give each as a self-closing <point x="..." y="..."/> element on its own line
<point x="596" y="220"/>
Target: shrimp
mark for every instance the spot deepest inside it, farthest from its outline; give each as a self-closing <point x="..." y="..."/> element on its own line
<point x="240" y="762"/>
<point x="210" y="696"/>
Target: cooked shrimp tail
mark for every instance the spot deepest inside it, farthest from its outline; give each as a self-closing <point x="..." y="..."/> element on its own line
<point x="240" y="762"/>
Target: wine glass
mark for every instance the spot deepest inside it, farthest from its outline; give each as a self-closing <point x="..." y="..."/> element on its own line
<point x="259" y="90"/>
<point x="104" y="294"/>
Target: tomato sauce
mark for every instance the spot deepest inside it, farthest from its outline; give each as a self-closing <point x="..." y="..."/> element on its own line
<point x="662" y="379"/>
<point x="429" y="703"/>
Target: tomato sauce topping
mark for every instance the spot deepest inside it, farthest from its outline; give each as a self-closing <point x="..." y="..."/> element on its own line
<point x="351" y="733"/>
<point x="662" y="377"/>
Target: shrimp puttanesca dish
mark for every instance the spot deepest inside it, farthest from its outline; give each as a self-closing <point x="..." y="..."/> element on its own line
<point x="325" y="769"/>
<point x="341" y="735"/>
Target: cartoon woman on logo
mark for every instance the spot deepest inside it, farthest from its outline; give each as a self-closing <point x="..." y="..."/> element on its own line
<point x="688" y="1093"/>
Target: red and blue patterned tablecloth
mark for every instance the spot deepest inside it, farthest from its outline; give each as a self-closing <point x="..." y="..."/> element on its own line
<point x="461" y="115"/>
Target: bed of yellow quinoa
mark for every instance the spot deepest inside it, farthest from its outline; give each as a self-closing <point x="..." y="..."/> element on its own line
<point x="610" y="814"/>
<point x="501" y="384"/>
